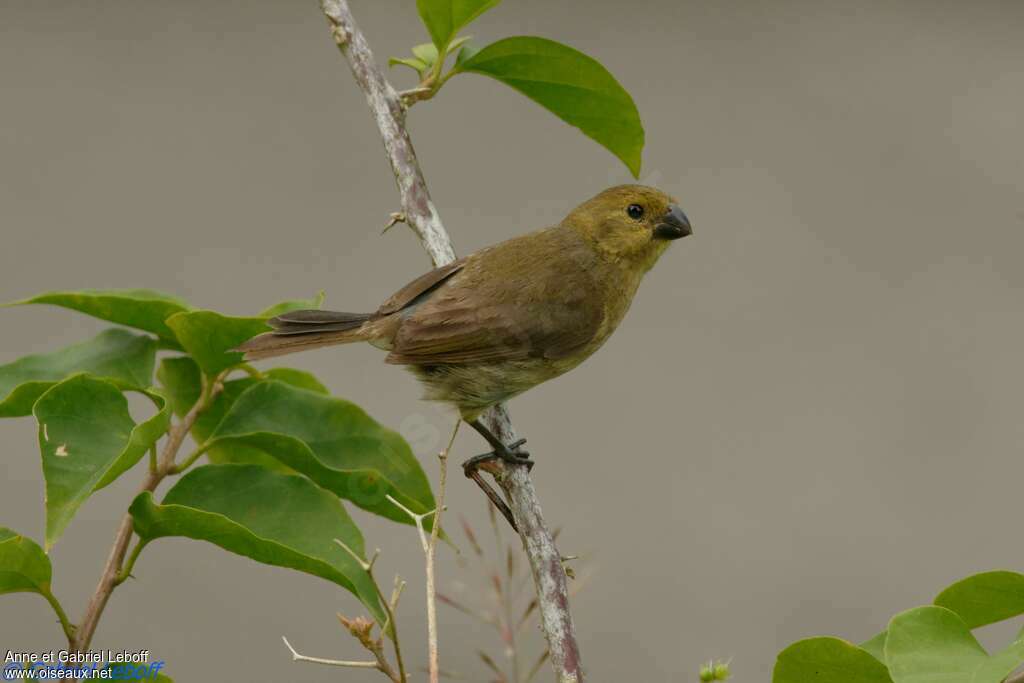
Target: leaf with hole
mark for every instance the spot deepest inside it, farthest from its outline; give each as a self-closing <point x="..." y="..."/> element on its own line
<point x="573" y="86"/>
<point x="445" y="18"/>
<point x="87" y="439"/>
<point x="333" y="442"/>
<point x="827" y="660"/>
<point x="124" y="358"/>
<point x="143" y="309"/>
<point x="278" y="519"/>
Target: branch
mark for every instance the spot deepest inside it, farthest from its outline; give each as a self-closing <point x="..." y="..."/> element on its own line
<point x="421" y="215"/>
<point x="111" y="576"/>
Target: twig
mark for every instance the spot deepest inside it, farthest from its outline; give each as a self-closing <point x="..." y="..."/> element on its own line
<point x="1019" y="678"/>
<point x="390" y="607"/>
<point x="110" y="578"/>
<point x="421" y="215"/>
<point x="329" y="662"/>
<point x="429" y="544"/>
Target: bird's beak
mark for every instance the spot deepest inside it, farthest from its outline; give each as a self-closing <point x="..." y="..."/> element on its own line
<point x="673" y="225"/>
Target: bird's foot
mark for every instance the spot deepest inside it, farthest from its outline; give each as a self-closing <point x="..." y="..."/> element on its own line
<point x="512" y="454"/>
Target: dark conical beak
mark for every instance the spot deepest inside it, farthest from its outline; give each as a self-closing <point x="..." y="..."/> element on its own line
<point x="673" y="225"/>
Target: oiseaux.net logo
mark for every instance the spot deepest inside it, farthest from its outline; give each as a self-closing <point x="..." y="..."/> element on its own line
<point x="61" y="665"/>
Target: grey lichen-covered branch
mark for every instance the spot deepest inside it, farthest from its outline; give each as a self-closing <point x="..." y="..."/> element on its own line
<point x="389" y="112"/>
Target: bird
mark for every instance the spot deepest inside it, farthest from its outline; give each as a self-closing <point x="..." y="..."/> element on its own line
<point x="491" y="325"/>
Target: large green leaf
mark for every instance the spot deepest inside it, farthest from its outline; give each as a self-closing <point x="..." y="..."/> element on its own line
<point x="209" y="336"/>
<point x="124" y="358"/>
<point x="445" y="18"/>
<point x="24" y="567"/>
<point x="87" y="439"/>
<point x="827" y="660"/>
<point x="240" y="452"/>
<point x="142" y="309"/>
<point x="571" y="85"/>
<point x="180" y="378"/>
<point x="934" y="645"/>
<point x="277" y="519"/>
<point x="333" y="442"/>
<point x="985" y="598"/>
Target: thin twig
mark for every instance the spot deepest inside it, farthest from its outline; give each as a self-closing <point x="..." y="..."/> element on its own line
<point x="429" y="544"/>
<point x="329" y="662"/>
<point x="421" y="215"/>
<point x="390" y="607"/>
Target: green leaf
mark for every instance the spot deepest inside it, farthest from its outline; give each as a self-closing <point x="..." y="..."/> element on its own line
<point x="985" y="598"/>
<point x="333" y="442"/>
<point x="277" y="519"/>
<point x="426" y="53"/>
<point x="569" y="84"/>
<point x="87" y="439"/>
<point x="181" y="379"/>
<point x="876" y="646"/>
<point x="124" y="358"/>
<point x="465" y="53"/>
<point x="209" y="336"/>
<point x="445" y="18"/>
<point x="142" y="309"/>
<point x="238" y="452"/>
<point x="411" y="62"/>
<point x="1001" y="664"/>
<point x="827" y="660"/>
<point x="24" y="567"/>
<point x="932" y="645"/>
<point x="293" y="305"/>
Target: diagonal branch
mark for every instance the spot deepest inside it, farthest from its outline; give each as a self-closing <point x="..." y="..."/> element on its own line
<point x="421" y="215"/>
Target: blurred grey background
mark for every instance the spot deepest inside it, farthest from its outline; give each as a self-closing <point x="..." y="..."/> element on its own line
<point x="810" y="419"/>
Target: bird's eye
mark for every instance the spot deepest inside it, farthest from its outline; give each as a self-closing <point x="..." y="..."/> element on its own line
<point x="635" y="211"/>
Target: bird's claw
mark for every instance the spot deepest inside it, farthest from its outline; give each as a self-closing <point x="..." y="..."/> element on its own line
<point x="510" y="454"/>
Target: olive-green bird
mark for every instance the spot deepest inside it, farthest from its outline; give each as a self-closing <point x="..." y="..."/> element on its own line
<point x="493" y="324"/>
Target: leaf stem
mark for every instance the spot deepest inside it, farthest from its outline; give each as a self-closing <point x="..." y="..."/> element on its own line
<point x="126" y="570"/>
<point x="65" y="623"/>
<point x="178" y="468"/>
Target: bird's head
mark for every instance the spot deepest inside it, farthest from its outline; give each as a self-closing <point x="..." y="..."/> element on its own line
<point x="630" y="224"/>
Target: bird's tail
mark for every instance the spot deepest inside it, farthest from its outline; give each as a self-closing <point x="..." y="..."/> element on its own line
<point x="302" y="330"/>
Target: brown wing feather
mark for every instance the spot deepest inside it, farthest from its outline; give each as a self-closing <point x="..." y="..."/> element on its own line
<point x="418" y="287"/>
<point x="503" y="305"/>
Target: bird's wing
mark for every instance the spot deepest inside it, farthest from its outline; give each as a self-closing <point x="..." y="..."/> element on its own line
<point x="422" y="285"/>
<point x="481" y="316"/>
